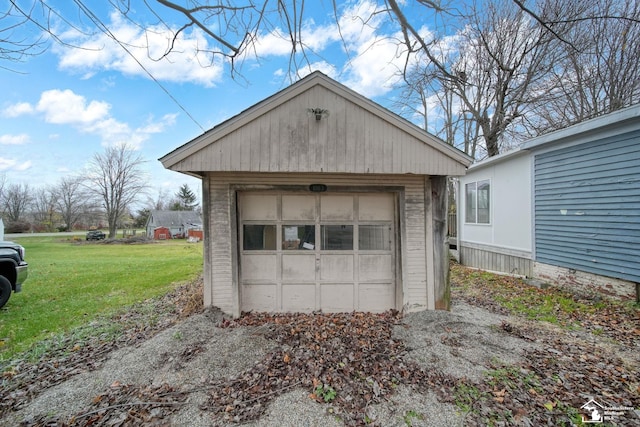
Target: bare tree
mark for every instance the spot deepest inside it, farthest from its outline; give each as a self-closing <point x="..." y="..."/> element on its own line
<point x="486" y="77"/>
<point x="161" y="202"/>
<point x="72" y="200"/>
<point x="234" y="28"/>
<point x="3" y="181"/>
<point x="116" y="179"/>
<point x="15" y="46"/>
<point x="601" y="74"/>
<point x="16" y="199"/>
<point x="491" y="79"/>
<point x="44" y="207"/>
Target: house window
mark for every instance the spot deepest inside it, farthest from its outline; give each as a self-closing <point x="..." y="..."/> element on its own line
<point x="478" y="198"/>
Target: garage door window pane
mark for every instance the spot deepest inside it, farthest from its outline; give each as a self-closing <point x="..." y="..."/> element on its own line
<point x="259" y="237"/>
<point x="374" y="238"/>
<point x="337" y="237"/>
<point x="298" y="237"/>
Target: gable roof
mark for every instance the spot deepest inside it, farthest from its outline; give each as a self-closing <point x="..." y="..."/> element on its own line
<point x="174" y="218"/>
<point x="279" y="134"/>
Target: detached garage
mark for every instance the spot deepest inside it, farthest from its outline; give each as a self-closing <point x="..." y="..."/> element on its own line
<point x="319" y="199"/>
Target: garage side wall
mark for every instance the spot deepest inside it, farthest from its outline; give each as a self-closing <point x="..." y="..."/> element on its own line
<point x="414" y="241"/>
<point x="219" y="267"/>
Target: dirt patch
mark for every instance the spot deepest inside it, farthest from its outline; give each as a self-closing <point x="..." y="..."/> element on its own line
<point x="475" y="365"/>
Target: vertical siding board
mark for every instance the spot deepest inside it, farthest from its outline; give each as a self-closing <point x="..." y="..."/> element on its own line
<point x="359" y="141"/>
<point x="398" y="156"/>
<point x="244" y="146"/>
<point x="274" y="143"/>
<point x="354" y="119"/>
<point x="284" y="142"/>
<point x="300" y="133"/>
<point x="586" y="207"/>
<point x="416" y="268"/>
<point x="386" y="149"/>
<point x="221" y="253"/>
<point x="256" y="145"/>
<point x="341" y="136"/>
<point x="368" y="136"/>
<point x="265" y="134"/>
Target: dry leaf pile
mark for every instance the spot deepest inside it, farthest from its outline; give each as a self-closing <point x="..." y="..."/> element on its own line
<point x="347" y="361"/>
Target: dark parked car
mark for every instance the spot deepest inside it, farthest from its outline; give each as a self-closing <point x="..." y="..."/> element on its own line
<point x="13" y="270"/>
<point x="95" y="235"/>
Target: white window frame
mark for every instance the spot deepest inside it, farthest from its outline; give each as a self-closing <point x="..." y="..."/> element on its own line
<point x="473" y="186"/>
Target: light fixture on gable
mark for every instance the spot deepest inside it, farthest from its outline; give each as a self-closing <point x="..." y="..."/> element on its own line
<point x="318" y="113"/>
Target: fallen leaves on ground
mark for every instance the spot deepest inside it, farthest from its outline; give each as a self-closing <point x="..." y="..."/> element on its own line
<point x="589" y="351"/>
<point x="123" y="405"/>
<point x="22" y="379"/>
<point x="347" y="360"/>
<point x="511" y="295"/>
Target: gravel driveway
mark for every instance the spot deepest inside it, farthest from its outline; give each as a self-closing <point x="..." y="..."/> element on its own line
<point x="167" y="377"/>
<point x="461" y="343"/>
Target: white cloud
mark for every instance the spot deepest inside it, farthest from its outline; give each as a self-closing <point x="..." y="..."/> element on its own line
<point x="375" y="58"/>
<point x="187" y="62"/>
<point x="6" y="164"/>
<point x="23" y="166"/>
<point x="66" y="107"/>
<point x="275" y="43"/>
<point x="18" y="109"/>
<point x="23" y="138"/>
<point x="322" y="66"/>
<point x="12" y="164"/>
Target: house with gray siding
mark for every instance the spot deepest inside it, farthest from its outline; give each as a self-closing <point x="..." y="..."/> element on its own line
<point x="176" y="222"/>
<point x="317" y="198"/>
<point x="564" y="207"/>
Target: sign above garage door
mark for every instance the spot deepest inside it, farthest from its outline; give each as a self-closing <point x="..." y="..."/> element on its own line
<point x="302" y="252"/>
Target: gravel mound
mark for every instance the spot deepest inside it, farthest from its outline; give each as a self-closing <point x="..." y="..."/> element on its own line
<point x="196" y="354"/>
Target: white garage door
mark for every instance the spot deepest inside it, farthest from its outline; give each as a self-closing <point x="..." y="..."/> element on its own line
<point x="321" y="251"/>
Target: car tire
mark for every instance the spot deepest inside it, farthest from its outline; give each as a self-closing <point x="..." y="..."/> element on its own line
<point x="5" y="290"/>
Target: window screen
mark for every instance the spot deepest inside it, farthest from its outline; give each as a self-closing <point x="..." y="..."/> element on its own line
<point x="336" y="237"/>
<point x="374" y="238"/>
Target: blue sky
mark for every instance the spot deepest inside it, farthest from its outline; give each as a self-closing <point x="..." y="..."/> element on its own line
<point x="59" y="108"/>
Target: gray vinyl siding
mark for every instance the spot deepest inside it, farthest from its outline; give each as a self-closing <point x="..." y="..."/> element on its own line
<point x="587" y="207"/>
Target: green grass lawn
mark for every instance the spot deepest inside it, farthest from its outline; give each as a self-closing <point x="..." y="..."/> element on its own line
<point x="71" y="284"/>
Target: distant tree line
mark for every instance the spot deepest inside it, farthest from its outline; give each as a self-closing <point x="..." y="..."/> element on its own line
<point x="104" y="195"/>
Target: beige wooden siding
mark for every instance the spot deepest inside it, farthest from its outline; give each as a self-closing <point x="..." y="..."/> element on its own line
<point x="415" y="254"/>
<point x="221" y="282"/>
<point x="350" y="140"/>
<point x="221" y="244"/>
